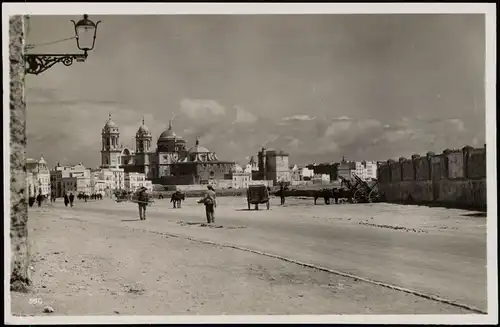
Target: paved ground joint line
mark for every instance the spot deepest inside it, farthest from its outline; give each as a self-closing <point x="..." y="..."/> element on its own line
<point x="312" y="266"/>
<point x="331" y="271"/>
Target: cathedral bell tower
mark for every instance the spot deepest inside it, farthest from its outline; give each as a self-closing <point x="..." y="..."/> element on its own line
<point x="111" y="148"/>
<point x="143" y="140"/>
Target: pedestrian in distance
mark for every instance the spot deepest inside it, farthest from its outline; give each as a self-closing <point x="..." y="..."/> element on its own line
<point x="39" y="199"/>
<point x="209" y="200"/>
<point x="71" y="198"/>
<point x="31" y="201"/>
<point x="142" y="201"/>
<point x="282" y="193"/>
<point x="66" y="199"/>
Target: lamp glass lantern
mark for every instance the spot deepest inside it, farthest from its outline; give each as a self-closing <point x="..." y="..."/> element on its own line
<point x="85" y="33"/>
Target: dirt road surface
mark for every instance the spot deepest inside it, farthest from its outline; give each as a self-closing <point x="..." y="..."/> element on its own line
<point x="98" y="258"/>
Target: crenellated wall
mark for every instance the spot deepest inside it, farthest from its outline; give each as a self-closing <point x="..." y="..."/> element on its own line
<point x="455" y="178"/>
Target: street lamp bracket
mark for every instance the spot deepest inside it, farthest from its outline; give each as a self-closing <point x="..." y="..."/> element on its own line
<point x="38" y="63"/>
<point x="85" y="34"/>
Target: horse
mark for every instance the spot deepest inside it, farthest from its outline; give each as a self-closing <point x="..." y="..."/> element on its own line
<point x="176" y="198"/>
<point x="333" y="193"/>
<point x="324" y="193"/>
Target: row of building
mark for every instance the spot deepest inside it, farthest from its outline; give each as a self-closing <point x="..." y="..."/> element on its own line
<point x="274" y="166"/>
<point x="173" y="163"/>
<point x="79" y="179"/>
<point x="366" y="170"/>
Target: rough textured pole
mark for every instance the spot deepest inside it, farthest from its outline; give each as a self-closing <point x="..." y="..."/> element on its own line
<point x="20" y="279"/>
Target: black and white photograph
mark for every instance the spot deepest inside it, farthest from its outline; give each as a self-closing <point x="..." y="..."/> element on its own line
<point x="218" y="163"/>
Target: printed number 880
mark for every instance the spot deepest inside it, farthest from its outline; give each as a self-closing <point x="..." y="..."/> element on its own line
<point x="35" y="300"/>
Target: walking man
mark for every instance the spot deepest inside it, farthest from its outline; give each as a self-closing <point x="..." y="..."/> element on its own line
<point x="71" y="198"/>
<point x="282" y="193"/>
<point x="66" y="199"/>
<point x="39" y="199"/>
<point x="209" y="200"/>
<point x="142" y="201"/>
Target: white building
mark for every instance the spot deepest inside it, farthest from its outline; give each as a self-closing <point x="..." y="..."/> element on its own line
<point x="306" y="173"/>
<point x="71" y="175"/>
<point x="321" y="179"/>
<point x="366" y="170"/>
<point x="98" y="187"/>
<point x="134" y="181"/>
<point x="111" y="178"/>
<point x="38" y="177"/>
<point x="241" y="180"/>
<point x="371" y="169"/>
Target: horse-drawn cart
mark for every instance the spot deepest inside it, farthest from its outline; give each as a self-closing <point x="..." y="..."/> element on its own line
<point x="124" y="196"/>
<point x="121" y="195"/>
<point x="364" y="192"/>
<point x="257" y="194"/>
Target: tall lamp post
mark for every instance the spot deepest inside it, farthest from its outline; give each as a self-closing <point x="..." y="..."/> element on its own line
<point x="85" y="34"/>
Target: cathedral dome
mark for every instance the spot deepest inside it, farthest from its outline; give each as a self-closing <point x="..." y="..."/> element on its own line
<point x="168" y="134"/>
<point x="110" y="123"/>
<point x="143" y="129"/>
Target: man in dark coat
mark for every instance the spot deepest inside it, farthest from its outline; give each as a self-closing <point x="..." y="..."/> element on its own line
<point x="282" y="193"/>
<point x="66" y="199"/>
<point x="142" y="201"/>
<point x="31" y="201"/>
<point x="39" y="199"/>
<point x="71" y="198"/>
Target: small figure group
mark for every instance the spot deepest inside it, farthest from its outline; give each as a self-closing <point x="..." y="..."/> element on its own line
<point x="96" y="196"/>
<point x="69" y="199"/>
<point x="38" y="199"/>
<point x="177" y="198"/>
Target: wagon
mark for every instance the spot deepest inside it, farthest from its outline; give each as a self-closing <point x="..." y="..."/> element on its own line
<point x="257" y="194"/>
<point x="364" y="192"/>
<point x="121" y="195"/>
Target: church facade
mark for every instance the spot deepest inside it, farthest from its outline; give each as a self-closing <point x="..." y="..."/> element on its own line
<point x="170" y="163"/>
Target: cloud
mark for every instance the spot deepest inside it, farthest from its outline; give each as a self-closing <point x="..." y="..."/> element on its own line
<point x="201" y="109"/>
<point x="298" y="118"/>
<point x="295" y="143"/>
<point x="457" y="123"/>
<point x="243" y="116"/>
<point x="342" y="118"/>
<point x="71" y="128"/>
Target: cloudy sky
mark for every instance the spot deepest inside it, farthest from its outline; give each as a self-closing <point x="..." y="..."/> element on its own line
<point x="317" y="86"/>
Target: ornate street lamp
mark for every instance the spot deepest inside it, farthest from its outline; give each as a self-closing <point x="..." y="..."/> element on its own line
<point x="85" y="34"/>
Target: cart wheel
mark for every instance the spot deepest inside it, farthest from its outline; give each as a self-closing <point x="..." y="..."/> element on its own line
<point x="373" y="196"/>
<point x="248" y="205"/>
<point x="356" y="197"/>
<point x="268" y="204"/>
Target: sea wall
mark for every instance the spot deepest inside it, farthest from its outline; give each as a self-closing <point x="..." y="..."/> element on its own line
<point x="454" y="178"/>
